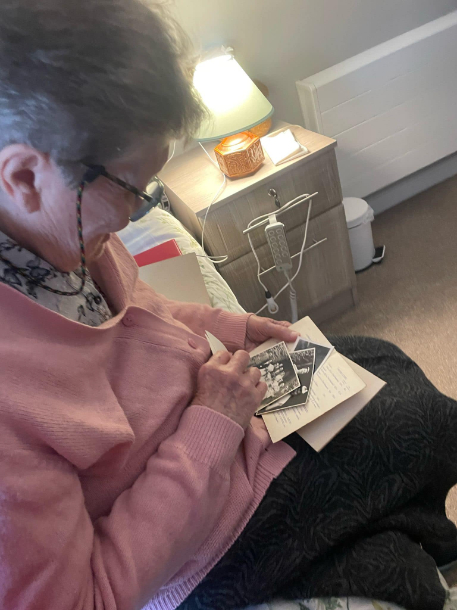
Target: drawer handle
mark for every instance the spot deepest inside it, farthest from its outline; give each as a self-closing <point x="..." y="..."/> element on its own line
<point x="273" y="193"/>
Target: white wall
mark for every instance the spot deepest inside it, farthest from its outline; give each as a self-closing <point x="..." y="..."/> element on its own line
<point x="281" y="41"/>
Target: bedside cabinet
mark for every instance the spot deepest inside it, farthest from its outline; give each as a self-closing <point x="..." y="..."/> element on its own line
<point x="326" y="284"/>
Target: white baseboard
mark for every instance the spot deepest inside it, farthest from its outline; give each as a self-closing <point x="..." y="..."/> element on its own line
<point x="412" y="185"/>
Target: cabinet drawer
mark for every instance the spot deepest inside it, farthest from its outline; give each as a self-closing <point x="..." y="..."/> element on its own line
<point x="326" y="271"/>
<point x="225" y="225"/>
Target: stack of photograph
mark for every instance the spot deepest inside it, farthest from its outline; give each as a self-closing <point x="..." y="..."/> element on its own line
<point x="289" y="375"/>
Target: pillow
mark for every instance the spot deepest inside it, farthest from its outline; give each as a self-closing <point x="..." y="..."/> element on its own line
<point x="159" y="226"/>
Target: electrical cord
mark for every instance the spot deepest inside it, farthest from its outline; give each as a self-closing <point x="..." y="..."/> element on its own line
<point x="271" y="304"/>
<point x="259" y="267"/>
<point x="217" y="260"/>
<point x="165" y="204"/>
<point x="310" y="205"/>
<point x="291" y="204"/>
<point x="293" y="299"/>
<point x="172" y="153"/>
<point x="209" y="156"/>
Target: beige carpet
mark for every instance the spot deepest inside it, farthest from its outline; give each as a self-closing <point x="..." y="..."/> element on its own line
<point x="411" y="298"/>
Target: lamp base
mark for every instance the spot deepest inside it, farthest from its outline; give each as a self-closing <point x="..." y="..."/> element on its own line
<point x="240" y="155"/>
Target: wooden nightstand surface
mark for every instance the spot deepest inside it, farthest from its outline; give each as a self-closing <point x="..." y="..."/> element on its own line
<point x="195" y="180"/>
<point x="326" y="282"/>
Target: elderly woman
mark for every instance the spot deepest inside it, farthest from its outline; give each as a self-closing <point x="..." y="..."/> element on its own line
<point x="131" y="471"/>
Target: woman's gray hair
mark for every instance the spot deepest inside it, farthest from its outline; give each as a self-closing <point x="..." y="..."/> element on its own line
<point x="81" y="80"/>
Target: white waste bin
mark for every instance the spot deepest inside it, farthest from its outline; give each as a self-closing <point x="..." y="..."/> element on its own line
<point x="359" y="216"/>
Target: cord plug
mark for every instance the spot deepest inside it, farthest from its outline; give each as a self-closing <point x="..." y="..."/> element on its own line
<point x="271" y="303"/>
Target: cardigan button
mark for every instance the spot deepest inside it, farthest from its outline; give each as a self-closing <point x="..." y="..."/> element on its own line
<point x="128" y="320"/>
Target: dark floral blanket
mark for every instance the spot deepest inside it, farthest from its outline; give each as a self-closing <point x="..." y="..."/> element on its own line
<point x="366" y="516"/>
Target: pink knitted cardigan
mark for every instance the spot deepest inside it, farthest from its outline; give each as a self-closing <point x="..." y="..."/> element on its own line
<point x="115" y="491"/>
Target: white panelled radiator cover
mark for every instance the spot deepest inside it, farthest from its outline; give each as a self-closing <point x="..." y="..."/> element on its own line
<point x="392" y="109"/>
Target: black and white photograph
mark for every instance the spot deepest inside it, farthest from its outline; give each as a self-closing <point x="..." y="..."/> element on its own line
<point x="303" y="361"/>
<point x="322" y="352"/>
<point x="277" y="405"/>
<point x="277" y="371"/>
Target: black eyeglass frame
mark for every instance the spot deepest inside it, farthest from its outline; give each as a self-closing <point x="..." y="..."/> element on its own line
<point x="152" y="200"/>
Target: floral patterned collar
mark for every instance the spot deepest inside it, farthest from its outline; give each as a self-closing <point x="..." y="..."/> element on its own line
<point x="89" y="307"/>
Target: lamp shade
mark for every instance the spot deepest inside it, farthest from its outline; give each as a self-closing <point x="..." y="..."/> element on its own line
<point x="234" y="101"/>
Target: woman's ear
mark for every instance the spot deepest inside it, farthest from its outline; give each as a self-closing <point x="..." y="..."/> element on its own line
<point x="22" y="168"/>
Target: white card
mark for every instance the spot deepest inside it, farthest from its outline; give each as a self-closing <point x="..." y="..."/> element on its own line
<point x="215" y="344"/>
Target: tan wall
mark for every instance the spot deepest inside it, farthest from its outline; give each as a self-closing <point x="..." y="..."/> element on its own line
<point x="281" y="41"/>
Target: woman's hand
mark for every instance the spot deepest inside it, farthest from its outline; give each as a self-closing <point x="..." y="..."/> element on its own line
<point x="260" y="329"/>
<point x="226" y="385"/>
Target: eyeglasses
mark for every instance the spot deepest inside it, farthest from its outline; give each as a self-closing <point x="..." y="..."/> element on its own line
<point x="150" y="200"/>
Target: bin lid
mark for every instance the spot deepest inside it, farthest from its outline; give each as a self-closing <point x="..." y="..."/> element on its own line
<point x="357" y="211"/>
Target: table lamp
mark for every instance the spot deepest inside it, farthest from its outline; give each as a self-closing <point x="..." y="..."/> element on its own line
<point x="236" y="105"/>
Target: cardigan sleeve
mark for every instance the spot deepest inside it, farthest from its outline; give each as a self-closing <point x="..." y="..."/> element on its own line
<point x="230" y="328"/>
<point x="53" y="556"/>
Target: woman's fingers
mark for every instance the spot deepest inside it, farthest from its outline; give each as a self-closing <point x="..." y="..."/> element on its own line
<point x="222" y="357"/>
<point x="240" y="360"/>
<point x="262" y="388"/>
<point x="281" y="330"/>
<point x="255" y="374"/>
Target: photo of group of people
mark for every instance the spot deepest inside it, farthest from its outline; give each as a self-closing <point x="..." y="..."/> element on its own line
<point x="321" y="352"/>
<point x="289" y="375"/>
<point x="277" y="371"/>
